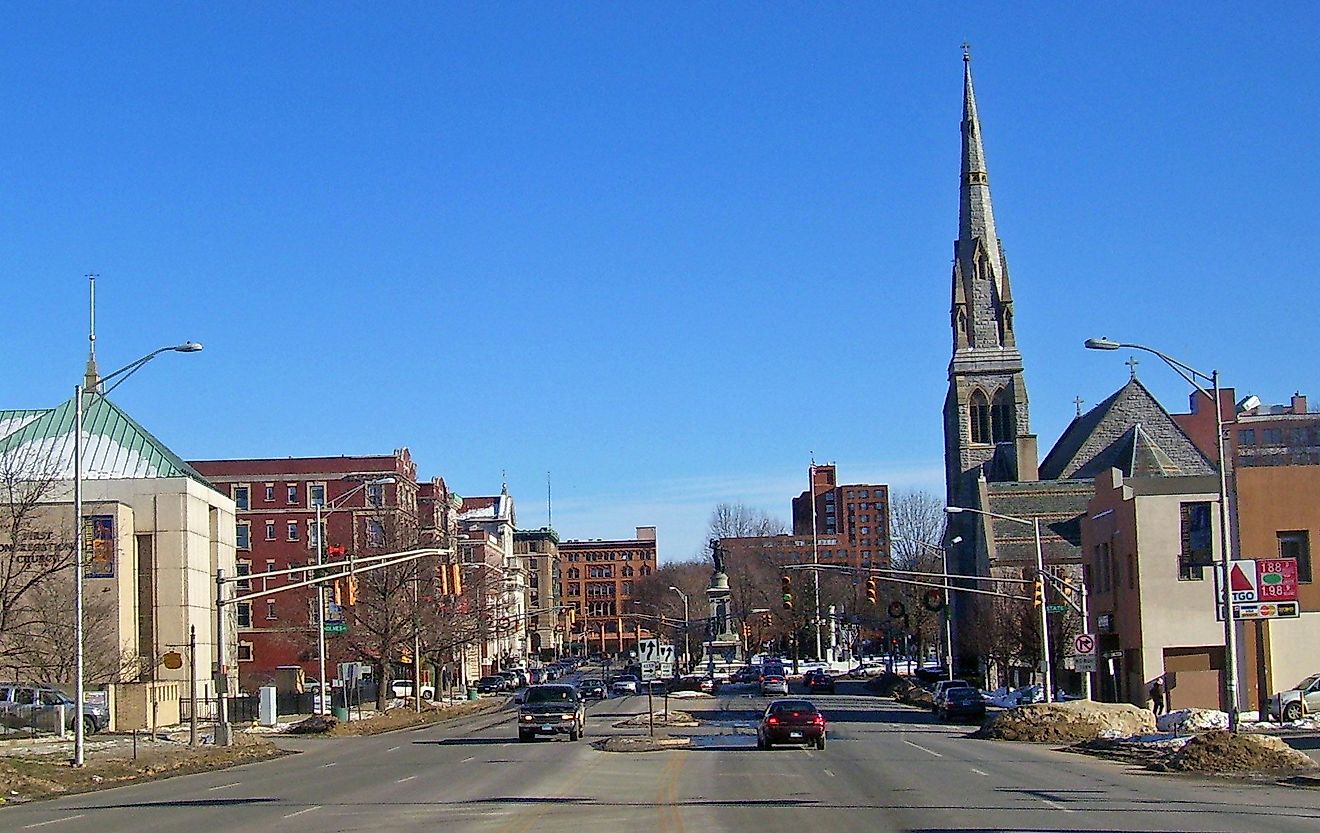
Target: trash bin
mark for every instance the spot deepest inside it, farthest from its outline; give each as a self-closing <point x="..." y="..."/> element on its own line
<point x="340" y="713"/>
<point x="472" y="693"/>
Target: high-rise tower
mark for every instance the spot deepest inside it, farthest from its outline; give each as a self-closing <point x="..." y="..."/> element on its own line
<point x="987" y="429"/>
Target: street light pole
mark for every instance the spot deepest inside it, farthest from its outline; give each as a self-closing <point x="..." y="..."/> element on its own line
<point x="1034" y="523"/>
<point x="948" y="601"/>
<point x="1225" y="601"/>
<point x="683" y="596"/>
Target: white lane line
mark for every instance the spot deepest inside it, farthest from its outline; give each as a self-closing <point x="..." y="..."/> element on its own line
<point x="332" y="763"/>
<point x="1056" y="805"/>
<point x="303" y="810"/>
<point x="224" y="786"/>
<point x="469" y="759"/>
<point x="979" y="772"/>
<point x="923" y="749"/>
<point x="831" y="774"/>
<point x="394" y="749"/>
<point x="409" y="778"/>
<point x="52" y="821"/>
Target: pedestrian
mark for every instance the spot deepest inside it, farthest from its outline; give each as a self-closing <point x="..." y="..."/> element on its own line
<point x="1157" y="696"/>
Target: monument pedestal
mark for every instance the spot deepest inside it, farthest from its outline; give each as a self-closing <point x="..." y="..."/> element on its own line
<point x="720" y="650"/>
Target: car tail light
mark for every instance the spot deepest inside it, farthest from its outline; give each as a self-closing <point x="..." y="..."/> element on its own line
<point x="819" y="720"/>
<point x="772" y="720"/>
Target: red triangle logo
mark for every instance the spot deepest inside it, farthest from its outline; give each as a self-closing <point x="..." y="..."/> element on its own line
<point x="1238" y="580"/>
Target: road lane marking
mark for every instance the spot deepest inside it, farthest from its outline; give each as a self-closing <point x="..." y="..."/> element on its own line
<point x="979" y="772"/>
<point x="52" y="821"/>
<point x="332" y="763"/>
<point x="409" y="778"/>
<point x="225" y="786"/>
<point x="831" y="774"/>
<point x="303" y="810"/>
<point x="923" y="749"/>
<point x="1056" y="805"/>
<point x="394" y="749"/>
<point x="469" y="759"/>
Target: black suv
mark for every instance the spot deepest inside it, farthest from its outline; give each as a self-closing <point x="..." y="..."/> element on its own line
<point x="551" y="710"/>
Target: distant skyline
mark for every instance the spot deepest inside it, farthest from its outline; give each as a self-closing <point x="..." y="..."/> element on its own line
<point x="665" y="253"/>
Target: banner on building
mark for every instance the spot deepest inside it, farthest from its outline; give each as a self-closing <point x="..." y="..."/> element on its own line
<point x="99" y="545"/>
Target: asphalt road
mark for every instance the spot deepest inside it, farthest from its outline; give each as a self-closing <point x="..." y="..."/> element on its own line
<point x="886" y="768"/>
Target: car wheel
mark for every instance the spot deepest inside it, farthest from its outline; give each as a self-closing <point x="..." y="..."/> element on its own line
<point x="526" y="736"/>
<point x="89" y="726"/>
<point x="760" y="744"/>
<point x="820" y="742"/>
<point x="1292" y="711"/>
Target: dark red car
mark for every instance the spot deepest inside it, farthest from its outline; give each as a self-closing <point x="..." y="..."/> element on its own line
<point x="818" y="682"/>
<point x="791" y="721"/>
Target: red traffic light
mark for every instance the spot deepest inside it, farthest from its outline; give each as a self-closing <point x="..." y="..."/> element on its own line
<point x="335" y="550"/>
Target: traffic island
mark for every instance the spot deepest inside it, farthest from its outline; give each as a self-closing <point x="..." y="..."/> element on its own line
<point x="1071" y="722"/>
<point x="669" y="719"/>
<point x="641" y="743"/>
<point x="26" y="778"/>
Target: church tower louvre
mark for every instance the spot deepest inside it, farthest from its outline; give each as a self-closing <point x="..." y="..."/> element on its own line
<point x="987" y="427"/>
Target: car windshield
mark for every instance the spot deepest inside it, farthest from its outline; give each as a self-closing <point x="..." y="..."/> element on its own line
<point x="491" y="680"/>
<point x="551" y="694"/>
<point x="800" y="706"/>
<point x="1308" y="682"/>
<point x="965" y="694"/>
<point x="591" y="682"/>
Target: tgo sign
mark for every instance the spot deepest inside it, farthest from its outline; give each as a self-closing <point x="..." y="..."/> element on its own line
<point x="1263" y="580"/>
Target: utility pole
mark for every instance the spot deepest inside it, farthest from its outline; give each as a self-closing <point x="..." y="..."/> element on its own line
<point x="815" y="559"/>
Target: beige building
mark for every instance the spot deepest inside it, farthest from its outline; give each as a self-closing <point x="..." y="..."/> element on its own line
<point x="156" y="533"/>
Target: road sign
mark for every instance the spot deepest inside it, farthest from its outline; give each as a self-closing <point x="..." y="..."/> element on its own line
<point x="1084" y="644"/>
<point x="336" y="627"/>
<point x="650" y="670"/>
<point x="1084" y="663"/>
<point x="648" y="650"/>
<point x="666" y="670"/>
<point x="1056" y="608"/>
<point x="1263" y="588"/>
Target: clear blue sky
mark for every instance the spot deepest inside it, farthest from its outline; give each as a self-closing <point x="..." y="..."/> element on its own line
<point x="663" y="251"/>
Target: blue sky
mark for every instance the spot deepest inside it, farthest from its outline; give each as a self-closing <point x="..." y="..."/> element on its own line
<point x="662" y="251"/>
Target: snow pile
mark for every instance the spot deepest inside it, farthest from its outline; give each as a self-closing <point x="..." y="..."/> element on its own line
<point x="688" y="695"/>
<point x="1224" y="752"/>
<point x="1073" y="721"/>
<point x="1192" y="721"/>
<point x="1007" y="698"/>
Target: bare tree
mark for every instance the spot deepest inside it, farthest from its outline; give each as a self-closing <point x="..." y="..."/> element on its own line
<point x="738" y="520"/>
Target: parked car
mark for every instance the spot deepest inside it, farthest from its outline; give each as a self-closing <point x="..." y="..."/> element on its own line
<point x="25" y="706"/>
<point x="551" y="710"/>
<point x="592" y="689"/>
<point x="961" y="704"/>
<point x="1296" y="702"/>
<point x="791" y="721"/>
<point x="403" y="688"/>
<point x="654" y="686"/>
<point x="693" y="682"/>
<point x="492" y="684"/>
<point x="941" y="687"/>
<point x="625" y="684"/>
<point x="774" y="684"/>
<point x="818" y="682"/>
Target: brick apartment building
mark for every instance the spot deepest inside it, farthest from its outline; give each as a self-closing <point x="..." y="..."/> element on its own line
<point x="852" y="525"/>
<point x="538" y="552"/>
<point x="597" y="582"/>
<point x="275" y="516"/>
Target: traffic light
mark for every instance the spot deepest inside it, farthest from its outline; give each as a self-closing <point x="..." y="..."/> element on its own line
<point x="1038" y="598"/>
<point x="336" y="593"/>
<point x="786" y="585"/>
<point x="1067" y="589"/>
<point x="766" y="619"/>
<point x="351" y="588"/>
<point x="455" y="580"/>
<point x="747" y="629"/>
<point x="334" y="551"/>
<point x="873" y="590"/>
<point x="444" y="579"/>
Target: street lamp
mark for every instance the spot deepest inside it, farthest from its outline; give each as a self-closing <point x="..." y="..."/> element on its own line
<point x="323" y="508"/>
<point x="1190" y="375"/>
<point x="683" y="596"/>
<point x="94" y="385"/>
<point x="1034" y="523"/>
<point x="948" y="601"/>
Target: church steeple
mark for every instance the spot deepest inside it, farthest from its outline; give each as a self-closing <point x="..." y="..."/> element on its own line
<point x="987" y="426"/>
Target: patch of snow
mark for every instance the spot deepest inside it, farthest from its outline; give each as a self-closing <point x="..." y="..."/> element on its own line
<point x="1192" y="720"/>
<point x="688" y="695"/>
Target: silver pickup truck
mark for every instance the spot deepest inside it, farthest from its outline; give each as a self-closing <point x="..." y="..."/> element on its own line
<point x="37" y="707"/>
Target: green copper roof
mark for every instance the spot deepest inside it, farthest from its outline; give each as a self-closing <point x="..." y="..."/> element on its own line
<point x="115" y="446"/>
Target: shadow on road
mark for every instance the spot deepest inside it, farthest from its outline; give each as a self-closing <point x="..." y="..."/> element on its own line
<point x="464" y="742"/>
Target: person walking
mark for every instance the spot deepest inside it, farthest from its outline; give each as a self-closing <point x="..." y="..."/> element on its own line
<point x="1158" y="696"/>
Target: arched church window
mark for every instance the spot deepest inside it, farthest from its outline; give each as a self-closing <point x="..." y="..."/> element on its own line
<point x="1001" y="417"/>
<point x="979" y="412"/>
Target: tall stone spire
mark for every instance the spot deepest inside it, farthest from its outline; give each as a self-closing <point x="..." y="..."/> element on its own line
<point x="987" y="427"/>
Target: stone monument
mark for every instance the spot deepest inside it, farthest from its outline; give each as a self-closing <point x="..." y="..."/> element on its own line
<point x="720" y="649"/>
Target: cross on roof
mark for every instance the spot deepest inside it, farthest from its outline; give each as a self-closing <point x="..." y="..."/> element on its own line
<point x="1078" y="402"/>
<point x="1132" y="365"/>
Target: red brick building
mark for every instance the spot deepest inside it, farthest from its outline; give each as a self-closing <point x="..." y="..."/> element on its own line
<point x="596" y="579"/>
<point x="275" y="511"/>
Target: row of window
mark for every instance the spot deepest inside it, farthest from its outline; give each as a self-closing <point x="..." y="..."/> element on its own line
<point x="373" y="531"/>
<point x="1274" y="436"/>
<point x="1191" y="561"/>
<point x="609" y="556"/>
<point x="242" y="494"/>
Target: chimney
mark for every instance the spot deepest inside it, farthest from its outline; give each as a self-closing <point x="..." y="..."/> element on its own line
<point x="1298" y="403"/>
<point x="645" y="533"/>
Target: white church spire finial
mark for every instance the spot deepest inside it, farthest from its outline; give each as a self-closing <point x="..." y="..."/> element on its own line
<point x="91" y="378"/>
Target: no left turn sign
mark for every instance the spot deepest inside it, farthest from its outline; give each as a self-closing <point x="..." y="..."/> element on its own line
<point x="1084" y="644"/>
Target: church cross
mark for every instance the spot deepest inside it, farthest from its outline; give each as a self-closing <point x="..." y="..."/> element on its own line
<point x="1078" y="402"/>
<point x="1132" y="365"/>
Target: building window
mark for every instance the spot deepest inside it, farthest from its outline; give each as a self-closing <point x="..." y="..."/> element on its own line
<point x="270" y="492"/>
<point x="1271" y="436"/>
<point x="296" y="577"/>
<point x="270" y="609"/>
<point x="245" y="652"/>
<point x="1297" y="545"/>
<point x="243" y="535"/>
<point x="242" y="495"/>
<point x="1001" y="417"/>
<point x="575" y="589"/>
<point x="316" y="494"/>
<point x="1197" y="550"/>
<point x="293" y="530"/>
<point x="375" y="533"/>
<point x="293" y="493"/>
<point x="270" y="530"/>
<point x="313" y="535"/>
<point x="244" y="568"/>
<point x="244" y="614"/>
<point x="979" y="415"/>
<point x="376" y="494"/>
<point x="1247" y="436"/>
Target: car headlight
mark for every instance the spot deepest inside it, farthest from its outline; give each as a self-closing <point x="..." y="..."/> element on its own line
<point x="567" y="716"/>
<point x="528" y="718"/>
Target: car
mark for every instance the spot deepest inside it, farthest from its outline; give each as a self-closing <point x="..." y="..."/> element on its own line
<point x="403" y="688"/>
<point x="942" y="686"/>
<point x="24" y="706"/>
<point x="1296" y="702"/>
<point x="819" y="682"/>
<point x="592" y="689"/>
<point x="551" y="709"/>
<point x="961" y="704"/>
<point x="492" y="684"/>
<point x="746" y="674"/>
<point x="693" y="682"/>
<point x="656" y="686"/>
<point x="512" y="678"/>
<point x="625" y="684"/>
<point x="774" y="684"/>
<point x="791" y="721"/>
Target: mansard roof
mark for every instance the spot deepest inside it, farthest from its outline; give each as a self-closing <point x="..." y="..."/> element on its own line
<point x="1130" y="431"/>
